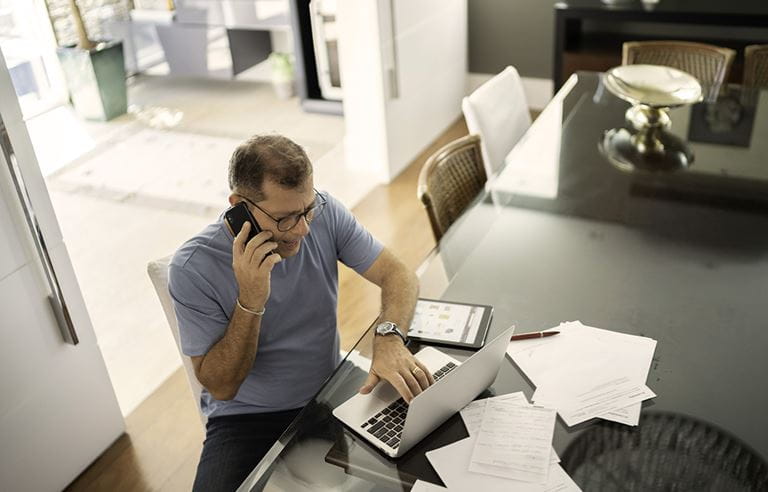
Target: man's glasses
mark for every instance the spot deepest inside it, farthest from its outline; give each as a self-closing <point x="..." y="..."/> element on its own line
<point x="287" y="223"/>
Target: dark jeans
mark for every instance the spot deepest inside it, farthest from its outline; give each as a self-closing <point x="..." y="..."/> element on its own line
<point x="234" y="445"/>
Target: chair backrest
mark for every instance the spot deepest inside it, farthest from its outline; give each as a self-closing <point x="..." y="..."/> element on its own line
<point x="756" y="65"/>
<point x="708" y="63"/>
<point x="450" y="180"/>
<point x="498" y="112"/>
<point x="158" y="273"/>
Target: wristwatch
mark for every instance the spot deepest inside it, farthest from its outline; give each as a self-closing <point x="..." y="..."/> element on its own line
<point x="388" y="328"/>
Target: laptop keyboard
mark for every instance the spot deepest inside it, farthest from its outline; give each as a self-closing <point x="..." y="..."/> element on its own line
<point x="387" y="425"/>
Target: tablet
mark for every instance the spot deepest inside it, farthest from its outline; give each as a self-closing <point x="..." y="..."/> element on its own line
<point x="450" y="323"/>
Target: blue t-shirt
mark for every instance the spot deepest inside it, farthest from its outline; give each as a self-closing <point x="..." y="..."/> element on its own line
<point x="298" y="344"/>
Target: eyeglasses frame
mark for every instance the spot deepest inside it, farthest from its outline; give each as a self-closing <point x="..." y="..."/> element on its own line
<point x="299" y="216"/>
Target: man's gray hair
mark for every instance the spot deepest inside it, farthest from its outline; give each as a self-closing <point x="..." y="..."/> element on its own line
<point x="268" y="157"/>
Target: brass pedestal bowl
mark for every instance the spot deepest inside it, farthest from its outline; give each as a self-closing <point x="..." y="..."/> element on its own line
<point x="648" y="145"/>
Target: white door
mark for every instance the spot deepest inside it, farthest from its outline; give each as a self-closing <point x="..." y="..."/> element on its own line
<point x="58" y="411"/>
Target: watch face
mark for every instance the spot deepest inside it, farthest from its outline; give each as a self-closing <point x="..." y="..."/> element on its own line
<point x="390" y="328"/>
<point x="385" y="328"/>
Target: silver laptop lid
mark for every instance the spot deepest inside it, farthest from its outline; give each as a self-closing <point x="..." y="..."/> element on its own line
<point x="449" y="395"/>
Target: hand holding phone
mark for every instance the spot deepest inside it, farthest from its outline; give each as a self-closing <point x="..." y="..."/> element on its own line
<point x="252" y="261"/>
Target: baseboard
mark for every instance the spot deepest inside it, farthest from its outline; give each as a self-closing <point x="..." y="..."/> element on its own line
<point x="537" y="91"/>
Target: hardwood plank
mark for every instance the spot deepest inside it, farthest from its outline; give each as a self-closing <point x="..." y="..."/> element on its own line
<point x="162" y="434"/>
<point x="183" y="477"/>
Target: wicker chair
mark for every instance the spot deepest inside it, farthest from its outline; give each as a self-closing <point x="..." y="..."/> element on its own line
<point x="709" y="64"/>
<point x="450" y="180"/>
<point x="667" y="451"/>
<point x="756" y="65"/>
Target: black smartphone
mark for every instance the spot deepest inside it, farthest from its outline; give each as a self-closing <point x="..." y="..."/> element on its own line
<point x="237" y="215"/>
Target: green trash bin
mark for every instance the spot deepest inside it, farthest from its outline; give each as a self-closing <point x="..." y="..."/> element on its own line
<point x="96" y="80"/>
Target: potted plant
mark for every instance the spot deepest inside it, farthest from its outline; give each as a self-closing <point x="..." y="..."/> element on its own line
<point x="282" y="74"/>
<point x="95" y="72"/>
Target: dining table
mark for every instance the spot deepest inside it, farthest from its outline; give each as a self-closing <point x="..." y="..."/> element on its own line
<point x="560" y="234"/>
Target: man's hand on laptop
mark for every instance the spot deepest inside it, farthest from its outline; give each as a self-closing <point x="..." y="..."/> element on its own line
<point x="395" y="364"/>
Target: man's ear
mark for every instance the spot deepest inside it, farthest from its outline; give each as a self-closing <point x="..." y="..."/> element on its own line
<point x="233" y="199"/>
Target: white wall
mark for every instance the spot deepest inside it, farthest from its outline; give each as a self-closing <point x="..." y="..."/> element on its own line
<point x="432" y="70"/>
<point x="388" y="124"/>
<point x="362" y="78"/>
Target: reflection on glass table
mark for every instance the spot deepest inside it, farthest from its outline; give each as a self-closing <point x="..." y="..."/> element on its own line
<point x="729" y="120"/>
<point x="561" y="234"/>
<point x="554" y="160"/>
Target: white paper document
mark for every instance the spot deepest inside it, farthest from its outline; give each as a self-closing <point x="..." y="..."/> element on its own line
<point x="451" y="463"/>
<point x="578" y="402"/>
<point x="516" y="440"/>
<point x="586" y="372"/>
<point x="628" y="415"/>
<point x="472" y="414"/>
<point x="422" y="486"/>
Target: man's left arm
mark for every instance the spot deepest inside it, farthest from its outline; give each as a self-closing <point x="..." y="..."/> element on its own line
<point x="392" y="361"/>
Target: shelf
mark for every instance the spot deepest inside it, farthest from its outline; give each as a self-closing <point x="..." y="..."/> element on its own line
<point x="583" y="40"/>
<point x="606" y="43"/>
<point x="280" y="22"/>
<point x="257" y="15"/>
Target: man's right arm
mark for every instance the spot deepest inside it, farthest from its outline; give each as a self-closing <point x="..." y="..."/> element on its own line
<point x="226" y="365"/>
<point x="224" y="368"/>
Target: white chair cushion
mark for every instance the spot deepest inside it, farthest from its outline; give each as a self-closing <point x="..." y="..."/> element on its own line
<point x="498" y="112"/>
<point x="158" y="273"/>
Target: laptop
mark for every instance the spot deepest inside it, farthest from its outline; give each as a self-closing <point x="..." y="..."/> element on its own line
<point x="383" y="419"/>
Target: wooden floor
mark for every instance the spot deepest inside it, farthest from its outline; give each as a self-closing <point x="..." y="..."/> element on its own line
<point x="164" y="435"/>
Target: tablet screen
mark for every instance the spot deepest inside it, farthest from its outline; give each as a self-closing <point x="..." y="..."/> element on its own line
<point x="449" y="322"/>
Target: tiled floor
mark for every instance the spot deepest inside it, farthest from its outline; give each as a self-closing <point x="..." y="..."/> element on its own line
<point x="132" y="190"/>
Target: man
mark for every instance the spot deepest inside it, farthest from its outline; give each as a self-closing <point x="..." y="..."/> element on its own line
<point x="260" y="328"/>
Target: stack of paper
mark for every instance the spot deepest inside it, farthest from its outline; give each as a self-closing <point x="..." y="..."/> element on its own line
<point x="587" y="372"/>
<point x="509" y="449"/>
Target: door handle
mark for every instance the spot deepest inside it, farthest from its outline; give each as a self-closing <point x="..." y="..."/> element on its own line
<point x="389" y="53"/>
<point x="56" y="298"/>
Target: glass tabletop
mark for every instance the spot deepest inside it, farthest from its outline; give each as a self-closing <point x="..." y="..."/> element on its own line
<point x="560" y="234"/>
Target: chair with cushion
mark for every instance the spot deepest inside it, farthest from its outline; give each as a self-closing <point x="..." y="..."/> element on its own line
<point x="450" y="179"/>
<point x="498" y="112"/>
<point x="709" y="64"/>
<point x="756" y="65"/>
<point x="158" y="273"/>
